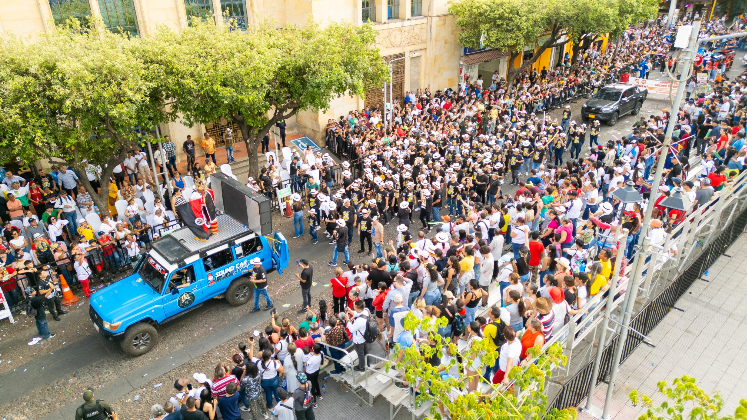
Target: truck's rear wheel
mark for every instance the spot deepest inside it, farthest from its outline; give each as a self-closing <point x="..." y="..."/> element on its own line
<point x="139" y="339"/>
<point x="239" y="292"/>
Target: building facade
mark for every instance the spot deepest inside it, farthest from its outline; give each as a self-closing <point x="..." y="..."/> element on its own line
<point x="421" y="32"/>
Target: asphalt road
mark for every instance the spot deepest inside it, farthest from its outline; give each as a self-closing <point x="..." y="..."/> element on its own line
<point x="46" y="379"/>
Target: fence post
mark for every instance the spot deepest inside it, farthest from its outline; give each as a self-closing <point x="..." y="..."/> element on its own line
<point x="607" y="313"/>
<point x="569" y="344"/>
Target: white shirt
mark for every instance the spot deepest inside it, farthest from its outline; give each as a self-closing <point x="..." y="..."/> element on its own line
<point x="143" y="159"/>
<point x="314" y="363"/>
<point x="512" y="350"/>
<point x="176" y="400"/>
<point x="574" y="210"/>
<point x="82" y="271"/>
<point x="131" y="164"/>
<point x="486" y="270"/>
<point x="591" y="197"/>
<point x="357" y="327"/>
<point x="272" y="368"/>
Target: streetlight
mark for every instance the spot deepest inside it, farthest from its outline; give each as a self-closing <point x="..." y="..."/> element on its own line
<point x="390" y="85"/>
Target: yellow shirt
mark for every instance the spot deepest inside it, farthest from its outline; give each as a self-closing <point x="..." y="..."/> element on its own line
<point x="86" y="232"/>
<point x="599" y="282"/>
<point x="467" y="264"/>
<point x="208" y="145"/>
<point x="489" y="333"/>
<point x="606" y="268"/>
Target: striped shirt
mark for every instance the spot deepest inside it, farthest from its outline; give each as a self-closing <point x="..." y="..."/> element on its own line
<point x="547" y="321"/>
<point x="219" y="386"/>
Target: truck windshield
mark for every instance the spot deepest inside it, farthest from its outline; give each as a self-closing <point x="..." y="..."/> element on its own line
<point x="608" y="95"/>
<point x="153" y="274"/>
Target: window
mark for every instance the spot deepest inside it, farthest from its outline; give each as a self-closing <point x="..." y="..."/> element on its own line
<point x="416" y="7"/>
<point x="119" y="15"/>
<point x="62" y="10"/>
<point x="198" y="9"/>
<point x="234" y="10"/>
<point x="369" y="11"/>
<point x="217" y="260"/>
<point x="251" y="246"/>
<point x="392" y="7"/>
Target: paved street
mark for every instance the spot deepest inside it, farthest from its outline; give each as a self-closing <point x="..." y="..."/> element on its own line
<point x="46" y="381"/>
<point x="707" y="341"/>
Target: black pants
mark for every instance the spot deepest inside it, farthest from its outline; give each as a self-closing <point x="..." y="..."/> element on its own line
<point x="384" y="218"/>
<point x="306" y="296"/>
<point x="190" y="163"/>
<point x="210" y="156"/>
<point x="265" y="146"/>
<point x="514" y="176"/>
<point x="316" y="390"/>
<point x="307" y="414"/>
<point x="119" y="179"/>
<point x="282" y="137"/>
<point x="702" y="143"/>
<point x="362" y="350"/>
<point x="425" y="218"/>
<point x="53" y="304"/>
<point x="338" y="304"/>
<point x="366" y="236"/>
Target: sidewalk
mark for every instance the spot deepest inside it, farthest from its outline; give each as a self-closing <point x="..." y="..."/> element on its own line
<point x="707" y="341"/>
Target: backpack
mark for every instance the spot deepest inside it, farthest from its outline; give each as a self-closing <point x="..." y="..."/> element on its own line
<point x="371" y="333"/>
<point x="458" y="324"/>
<point x="498" y="340"/>
<point x="307" y="401"/>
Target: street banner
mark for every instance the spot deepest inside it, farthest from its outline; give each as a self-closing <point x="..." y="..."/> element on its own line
<point x="655" y="86"/>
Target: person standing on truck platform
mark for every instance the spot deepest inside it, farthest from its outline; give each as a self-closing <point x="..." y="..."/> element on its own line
<point x="259" y="278"/>
<point x="94" y="409"/>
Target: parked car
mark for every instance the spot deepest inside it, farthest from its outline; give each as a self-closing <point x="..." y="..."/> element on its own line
<point x="613" y="101"/>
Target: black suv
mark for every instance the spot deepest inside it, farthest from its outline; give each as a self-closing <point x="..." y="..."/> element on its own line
<point x="613" y="101"/>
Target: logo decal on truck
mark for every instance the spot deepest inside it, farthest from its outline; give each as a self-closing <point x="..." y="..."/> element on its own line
<point x="186" y="299"/>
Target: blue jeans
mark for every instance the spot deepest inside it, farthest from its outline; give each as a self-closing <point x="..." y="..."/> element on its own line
<point x="526" y="165"/>
<point x="242" y="396"/>
<point x="436" y="214"/>
<point x="263" y="293"/>
<point x="229" y="154"/>
<point x="72" y="218"/>
<point x="112" y="260"/>
<point x="270" y="386"/>
<point x="43" y="327"/>
<point x="413" y="296"/>
<point x="590" y="209"/>
<point x="515" y="248"/>
<point x="172" y="163"/>
<point x="298" y="223"/>
<point x="445" y="332"/>
<point x="518" y="326"/>
<point x="336" y="253"/>
<point x="469" y="316"/>
<point x="338" y="355"/>
<point x="379" y="253"/>
<point x="351" y="232"/>
<point x="433" y="297"/>
<point x="12" y="298"/>
<point x="312" y="232"/>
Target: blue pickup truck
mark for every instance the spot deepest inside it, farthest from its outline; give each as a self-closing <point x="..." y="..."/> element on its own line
<point x="177" y="275"/>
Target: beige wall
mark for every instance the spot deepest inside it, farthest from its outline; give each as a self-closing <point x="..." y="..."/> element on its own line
<point x="164" y="12"/>
<point x="24" y="17"/>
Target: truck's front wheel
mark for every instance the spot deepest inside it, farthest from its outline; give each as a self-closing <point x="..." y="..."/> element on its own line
<point x="139" y="339"/>
<point x="239" y="292"/>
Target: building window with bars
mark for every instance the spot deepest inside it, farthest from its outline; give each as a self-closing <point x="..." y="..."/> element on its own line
<point x="416" y="7"/>
<point x="62" y="10"/>
<point x="369" y="11"/>
<point x="234" y="10"/>
<point x="199" y="10"/>
<point x="392" y="7"/>
<point x="119" y="16"/>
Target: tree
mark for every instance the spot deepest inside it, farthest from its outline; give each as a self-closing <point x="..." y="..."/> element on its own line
<point x="449" y="393"/>
<point x="264" y="76"/>
<point x="686" y="401"/>
<point x="76" y="95"/>
<point x="513" y="25"/>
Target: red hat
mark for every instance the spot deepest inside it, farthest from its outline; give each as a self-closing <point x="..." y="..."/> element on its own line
<point x="556" y="294"/>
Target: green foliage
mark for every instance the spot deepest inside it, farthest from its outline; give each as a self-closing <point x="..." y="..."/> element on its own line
<point x="262" y="76"/>
<point x="75" y="95"/>
<point x="524" y="400"/>
<point x="685" y="400"/>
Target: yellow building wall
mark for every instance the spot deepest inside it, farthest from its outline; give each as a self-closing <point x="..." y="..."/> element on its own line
<point x="543" y="60"/>
<point x="164" y="13"/>
<point x="23" y="17"/>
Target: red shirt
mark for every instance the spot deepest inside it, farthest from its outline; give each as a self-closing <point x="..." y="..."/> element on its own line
<point x="339" y="288"/>
<point x="304" y="342"/>
<point x="535" y="253"/>
<point x="716" y="180"/>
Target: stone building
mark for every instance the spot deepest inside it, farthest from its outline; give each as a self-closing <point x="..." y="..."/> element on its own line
<point x="421" y="32"/>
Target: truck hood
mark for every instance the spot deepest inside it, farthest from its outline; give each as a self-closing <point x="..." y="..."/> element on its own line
<point x="598" y="103"/>
<point x="118" y="301"/>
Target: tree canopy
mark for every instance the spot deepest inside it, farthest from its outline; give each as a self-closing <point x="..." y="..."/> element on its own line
<point x="75" y="95"/>
<point x="264" y="76"/>
<point x="513" y="25"/>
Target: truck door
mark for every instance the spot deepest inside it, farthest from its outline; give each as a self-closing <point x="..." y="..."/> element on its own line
<point x="626" y="103"/>
<point x="280" y="252"/>
<point x="219" y="270"/>
<point x="181" y="291"/>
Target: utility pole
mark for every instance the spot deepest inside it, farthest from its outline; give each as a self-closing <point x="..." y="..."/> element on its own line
<point x="632" y="291"/>
<point x="670" y="15"/>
